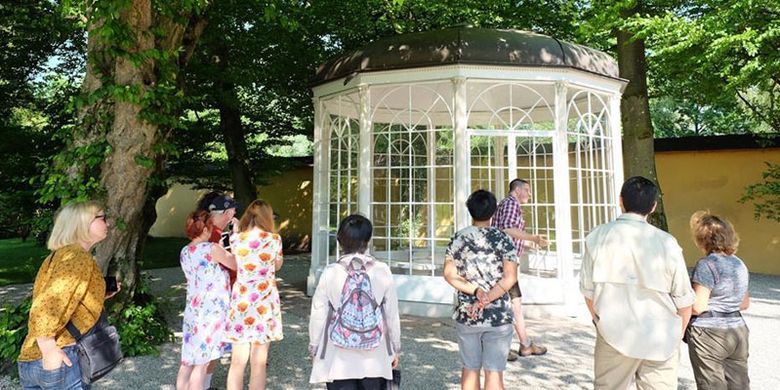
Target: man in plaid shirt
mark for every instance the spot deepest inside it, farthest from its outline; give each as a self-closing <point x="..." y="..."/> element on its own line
<point x="509" y="218"/>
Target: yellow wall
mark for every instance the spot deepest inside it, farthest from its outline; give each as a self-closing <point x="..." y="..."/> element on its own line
<point x="172" y="210"/>
<point x="289" y="194"/>
<point x="715" y="180"/>
<point x="712" y="180"/>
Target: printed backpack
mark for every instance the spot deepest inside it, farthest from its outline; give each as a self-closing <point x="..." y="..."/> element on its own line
<point x="358" y="322"/>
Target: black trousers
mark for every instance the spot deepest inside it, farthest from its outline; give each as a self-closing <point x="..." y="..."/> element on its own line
<point x="358" y="384"/>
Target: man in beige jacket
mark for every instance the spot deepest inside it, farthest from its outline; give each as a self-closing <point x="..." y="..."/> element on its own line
<point x="637" y="289"/>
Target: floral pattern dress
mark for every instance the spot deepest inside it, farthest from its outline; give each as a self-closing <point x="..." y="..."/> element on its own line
<point x="206" y="310"/>
<point x="255" y="310"/>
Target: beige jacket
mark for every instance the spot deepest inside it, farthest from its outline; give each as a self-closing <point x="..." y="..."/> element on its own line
<point x="636" y="277"/>
<point x="340" y="363"/>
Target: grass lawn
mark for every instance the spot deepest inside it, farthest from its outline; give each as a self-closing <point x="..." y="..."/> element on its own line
<point x="19" y="261"/>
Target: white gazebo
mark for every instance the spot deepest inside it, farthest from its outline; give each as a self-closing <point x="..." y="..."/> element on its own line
<point x="408" y="126"/>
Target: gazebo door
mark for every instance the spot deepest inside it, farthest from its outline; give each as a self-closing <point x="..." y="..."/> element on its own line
<point x="497" y="157"/>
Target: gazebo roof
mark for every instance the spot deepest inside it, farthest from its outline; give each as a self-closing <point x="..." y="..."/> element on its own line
<point x="466" y="45"/>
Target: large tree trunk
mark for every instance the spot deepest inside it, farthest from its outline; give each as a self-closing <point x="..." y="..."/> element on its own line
<point x="132" y="139"/>
<point x="638" y="147"/>
<point x="233" y="134"/>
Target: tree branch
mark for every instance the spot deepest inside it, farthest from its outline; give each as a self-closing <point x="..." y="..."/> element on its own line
<point x="758" y="113"/>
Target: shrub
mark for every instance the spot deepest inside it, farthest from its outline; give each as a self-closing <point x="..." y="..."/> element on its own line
<point x="13" y="330"/>
<point x="766" y="194"/>
<point x="141" y="324"/>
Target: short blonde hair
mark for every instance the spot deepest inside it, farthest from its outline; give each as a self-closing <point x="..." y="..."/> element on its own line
<point x="712" y="233"/>
<point x="71" y="224"/>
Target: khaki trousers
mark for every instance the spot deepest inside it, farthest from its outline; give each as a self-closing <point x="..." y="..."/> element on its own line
<point x="615" y="371"/>
<point x="719" y="358"/>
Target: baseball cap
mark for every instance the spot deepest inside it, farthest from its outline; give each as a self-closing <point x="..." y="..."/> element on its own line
<point x="222" y="203"/>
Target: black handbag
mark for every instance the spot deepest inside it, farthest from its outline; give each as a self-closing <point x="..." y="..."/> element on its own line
<point x="98" y="350"/>
<point x="395" y="383"/>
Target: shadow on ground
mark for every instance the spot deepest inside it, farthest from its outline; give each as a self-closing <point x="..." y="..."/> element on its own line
<point x="430" y="353"/>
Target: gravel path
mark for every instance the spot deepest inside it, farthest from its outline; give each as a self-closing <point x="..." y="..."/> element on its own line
<point x="430" y="354"/>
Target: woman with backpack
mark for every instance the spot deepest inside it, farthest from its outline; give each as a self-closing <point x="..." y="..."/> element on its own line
<point x="718" y="335"/>
<point x="354" y="326"/>
<point x="255" y="317"/>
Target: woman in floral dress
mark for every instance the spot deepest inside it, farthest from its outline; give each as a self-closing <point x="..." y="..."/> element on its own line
<point x="208" y="301"/>
<point x="255" y="317"/>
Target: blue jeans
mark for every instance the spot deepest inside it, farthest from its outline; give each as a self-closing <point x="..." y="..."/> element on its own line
<point x="34" y="377"/>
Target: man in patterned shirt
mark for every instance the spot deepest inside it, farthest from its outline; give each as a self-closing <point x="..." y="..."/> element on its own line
<point x="509" y="218"/>
<point x="481" y="263"/>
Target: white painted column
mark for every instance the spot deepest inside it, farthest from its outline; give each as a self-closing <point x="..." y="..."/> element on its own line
<point x="461" y="154"/>
<point x="563" y="236"/>
<point x="365" y="154"/>
<point x="431" y="231"/>
<point x="501" y="167"/>
<point x="615" y="129"/>
<point x="511" y="146"/>
<point x="319" y="236"/>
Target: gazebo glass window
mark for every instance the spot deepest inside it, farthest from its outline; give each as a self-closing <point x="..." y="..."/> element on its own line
<point x="412" y="172"/>
<point x="591" y="165"/>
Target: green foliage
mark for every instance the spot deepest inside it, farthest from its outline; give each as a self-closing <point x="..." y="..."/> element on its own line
<point x="141" y="324"/>
<point x="13" y="330"/>
<point x="19" y="261"/>
<point x="141" y="327"/>
<point x="709" y="50"/>
<point x="681" y="117"/>
<point x="765" y="195"/>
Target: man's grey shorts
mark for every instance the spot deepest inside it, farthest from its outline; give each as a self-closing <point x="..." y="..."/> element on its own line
<point x="484" y="347"/>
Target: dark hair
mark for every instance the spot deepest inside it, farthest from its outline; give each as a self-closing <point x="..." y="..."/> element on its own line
<point x="514" y="184"/>
<point x="258" y="214"/>
<point x="354" y="233"/>
<point x="639" y="195"/>
<point x="481" y="205"/>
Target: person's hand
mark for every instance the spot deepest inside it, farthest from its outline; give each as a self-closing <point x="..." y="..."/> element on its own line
<point x="541" y="241"/>
<point x="312" y="350"/>
<point x="118" y="289"/>
<point x="234" y="224"/>
<point x="55" y="359"/>
<point x="482" y="297"/>
<point x="474" y="310"/>
<point x="396" y="359"/>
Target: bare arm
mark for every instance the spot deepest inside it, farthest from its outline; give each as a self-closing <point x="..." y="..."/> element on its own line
<point x="702" y="299"/>
<point x="53" y="356"/>
<point x="223" y="257"/>
<point x="745" y="301"/>
<point x="455" y="280"/>
<point x="279" y="260"/>
<point x="591" y="309"/>
<point x="685" y="313"/>
<point x="519" y="234"/>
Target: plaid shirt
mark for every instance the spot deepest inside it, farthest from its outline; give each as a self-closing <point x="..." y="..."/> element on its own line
<point x="510" y="215"/>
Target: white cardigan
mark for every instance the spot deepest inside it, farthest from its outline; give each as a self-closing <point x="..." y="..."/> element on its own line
<point x="340" y="363"/>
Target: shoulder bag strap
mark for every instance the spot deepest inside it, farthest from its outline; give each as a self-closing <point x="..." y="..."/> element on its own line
<point x="387" y="328"/>
<point x="73" y="331"/>
<point x="71" y="328"/>
<point x="325" y="331"/>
